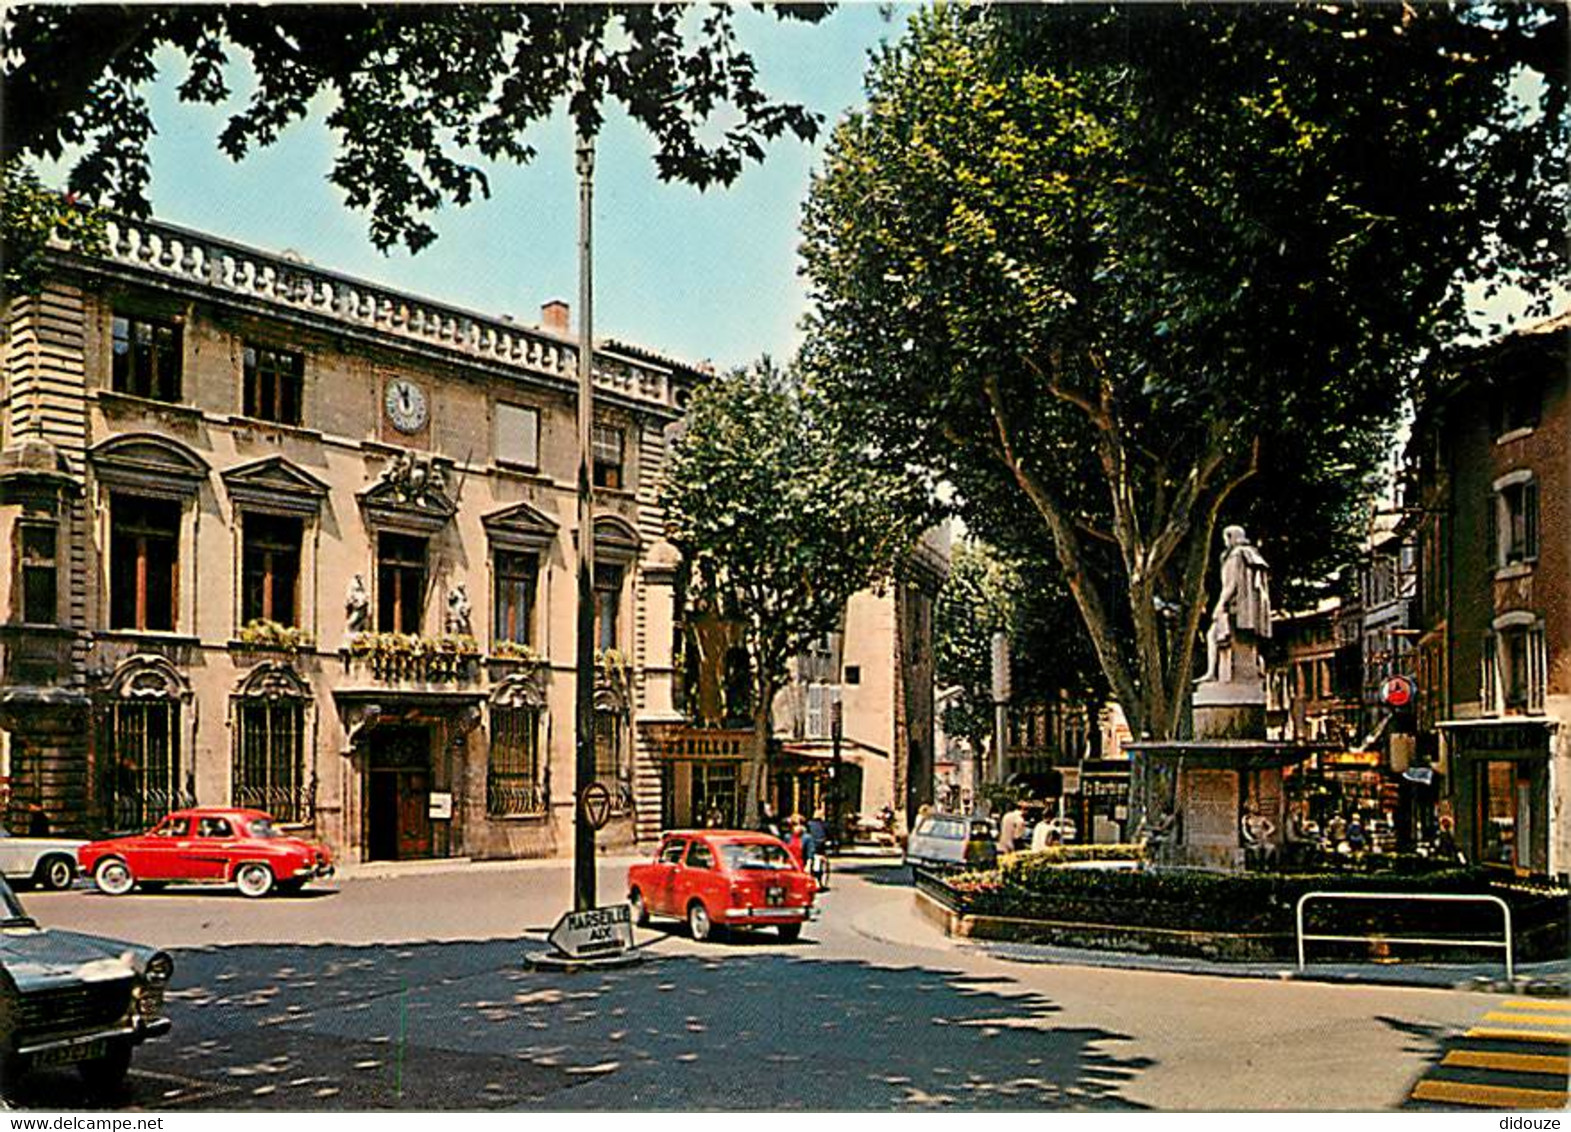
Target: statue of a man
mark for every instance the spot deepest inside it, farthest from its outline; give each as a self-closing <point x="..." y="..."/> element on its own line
<point x="1242" y="609"/>
<point x="458" y="624"/>
<point x="357" y="607"/>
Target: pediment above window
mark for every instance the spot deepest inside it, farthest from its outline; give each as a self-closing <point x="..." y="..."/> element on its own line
<point x="273" y="680"/>
<point x="519" y="527"/>
<point x="276" y="485"/>
<point x="149" y="464"/>
<point x="147" y="677"/>
<point x="615" y="540"/>
<point x="410" y="496"/>
<point x="519" y="691"/>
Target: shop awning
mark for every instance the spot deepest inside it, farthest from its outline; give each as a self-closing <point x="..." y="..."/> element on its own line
<point x="821" y="750"/>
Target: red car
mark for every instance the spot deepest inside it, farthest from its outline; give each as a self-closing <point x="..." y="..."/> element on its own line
<point x="722" y="878"/>
<point x="211" y="844"/>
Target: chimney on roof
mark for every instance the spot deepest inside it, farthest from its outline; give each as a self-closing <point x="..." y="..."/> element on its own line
<point x="555" y="315"/>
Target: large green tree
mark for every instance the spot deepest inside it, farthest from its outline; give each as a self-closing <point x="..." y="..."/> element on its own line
<point x="780" y="518"/>
<point x="1119" y="271"/>
<point x="990" y="591"/>
<point x="416" y="94"/>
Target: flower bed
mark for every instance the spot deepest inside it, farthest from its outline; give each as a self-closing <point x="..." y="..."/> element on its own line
<point x="1235" y="915"/>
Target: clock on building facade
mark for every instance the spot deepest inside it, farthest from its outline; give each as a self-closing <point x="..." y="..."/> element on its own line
<point x="406" y="405"/>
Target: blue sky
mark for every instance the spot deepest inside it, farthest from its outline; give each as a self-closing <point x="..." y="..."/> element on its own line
<point x="699" y="275"/>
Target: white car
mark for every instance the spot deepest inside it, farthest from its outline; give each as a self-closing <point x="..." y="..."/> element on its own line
<point x="45" y="862"/>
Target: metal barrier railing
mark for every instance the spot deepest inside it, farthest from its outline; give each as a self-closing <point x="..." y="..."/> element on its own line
<point x="1446" y="941"/>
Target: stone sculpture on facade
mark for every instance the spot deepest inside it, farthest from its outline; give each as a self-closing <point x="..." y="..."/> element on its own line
<point x="457" y="623"/>
<point x="357" y="607"/>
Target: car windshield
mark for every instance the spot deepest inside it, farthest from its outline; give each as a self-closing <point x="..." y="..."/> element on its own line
<point x="10" y="907"/>
<point x="946" y="828"/>
<point x="756" y="855"/>
<point x="263" y="827"/>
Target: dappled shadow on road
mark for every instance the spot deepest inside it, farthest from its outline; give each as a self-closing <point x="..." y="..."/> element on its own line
<point x="888" y="874"/>
<point x="466" y="1026"/>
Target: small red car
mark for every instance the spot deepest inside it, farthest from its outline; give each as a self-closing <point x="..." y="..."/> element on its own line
<point x="722" y="878"/>
<point x="210" y="844"/>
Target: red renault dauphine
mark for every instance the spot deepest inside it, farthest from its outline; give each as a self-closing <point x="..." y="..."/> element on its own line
<point x="722" y="878"/>
<point x="209" y="844"/>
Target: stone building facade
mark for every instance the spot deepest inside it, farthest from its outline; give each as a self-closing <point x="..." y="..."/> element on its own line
<point x="283" y="538"/>
<point x="1490" y="500"/>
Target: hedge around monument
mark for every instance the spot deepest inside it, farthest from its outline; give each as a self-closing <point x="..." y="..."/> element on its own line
<point x="1043" y="886"/>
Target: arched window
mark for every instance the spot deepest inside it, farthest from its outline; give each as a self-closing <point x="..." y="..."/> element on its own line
<point x="141" y="778"/>
<point x="516" y="781"/>
<point x="269" y="769"/>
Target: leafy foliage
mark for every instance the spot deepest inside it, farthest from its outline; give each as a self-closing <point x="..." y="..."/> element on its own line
<point x="30" y="215"/>
<point x="780" y="517"/>
<point x="976" y="601"/>
<point x="415" y="92"/>
<point x="1115" y="271"/>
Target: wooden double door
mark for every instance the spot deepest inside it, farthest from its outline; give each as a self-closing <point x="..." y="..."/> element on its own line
<point x="398" y="798"/>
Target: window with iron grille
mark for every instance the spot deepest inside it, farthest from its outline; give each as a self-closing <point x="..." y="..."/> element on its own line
<point x="144" y="776"/>
<point x="269" y="759"/>
<point x="608" y="756"/>
<point x="607" y="444"/>
<point x="515" y="783"/>
<point x="146" y="357"/>
<point x="273" y="383"/>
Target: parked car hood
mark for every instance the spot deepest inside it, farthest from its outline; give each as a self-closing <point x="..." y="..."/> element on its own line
<point x="37" y="958"/>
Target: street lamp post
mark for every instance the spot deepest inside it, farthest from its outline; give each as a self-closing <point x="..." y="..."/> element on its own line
<point x="584" y="713"/>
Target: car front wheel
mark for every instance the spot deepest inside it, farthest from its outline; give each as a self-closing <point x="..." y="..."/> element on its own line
<point x="254" y="880"/>
<point x="56" y="872"/>
<point x="699" y="924"/>
<point x="113" y="877"/>
<point x="635" y="901"/>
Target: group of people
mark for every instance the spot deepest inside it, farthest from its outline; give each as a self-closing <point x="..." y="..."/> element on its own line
<point x="807" y="839"/>
<point x="1015" y="831"/>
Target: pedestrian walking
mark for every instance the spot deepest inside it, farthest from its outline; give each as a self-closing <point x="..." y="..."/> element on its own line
<point x="767" y="822"/>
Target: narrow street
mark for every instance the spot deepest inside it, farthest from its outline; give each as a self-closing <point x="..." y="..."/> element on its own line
<point x="410" y="992"/>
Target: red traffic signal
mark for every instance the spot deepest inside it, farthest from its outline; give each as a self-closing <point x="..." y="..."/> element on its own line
<point x="1397" y="691"/>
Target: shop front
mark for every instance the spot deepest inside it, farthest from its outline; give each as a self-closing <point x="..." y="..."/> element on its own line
<point x="1500" y="791"/>
<point x="703" y="775"/>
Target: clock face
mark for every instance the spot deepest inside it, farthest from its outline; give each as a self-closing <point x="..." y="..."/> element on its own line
<point x="406" y="405"/>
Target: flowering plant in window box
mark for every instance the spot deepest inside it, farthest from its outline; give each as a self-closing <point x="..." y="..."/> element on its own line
<point x="409" y="656"/>
<point x="516" y="652"/>
<point x="613" y="667"/>
<point x="264" y="634"/>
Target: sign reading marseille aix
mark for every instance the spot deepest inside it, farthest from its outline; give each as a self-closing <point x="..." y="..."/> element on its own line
<point x="597" y="932"/>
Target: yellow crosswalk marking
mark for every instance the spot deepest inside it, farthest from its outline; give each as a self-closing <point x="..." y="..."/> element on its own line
<point x="1523" y="1035"/>
<point x="1488" y="1096"/>
<point x="1540" y="1004"/>
<point x="1510" y="1062"/>
<point x="1530" y="1019"/>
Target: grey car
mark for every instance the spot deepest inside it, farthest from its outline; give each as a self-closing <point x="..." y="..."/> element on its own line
<point x="45" y="862"/>
<point x="67" y="998"/>
<point x="945" y="842"/>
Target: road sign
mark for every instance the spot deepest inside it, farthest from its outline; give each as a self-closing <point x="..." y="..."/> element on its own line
<point x="597" y="932"/>
<point x="1397" y="692"/>
<point x="595" y="804"/>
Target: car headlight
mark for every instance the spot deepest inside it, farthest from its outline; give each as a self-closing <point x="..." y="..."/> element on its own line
<point x="160" y="969"/>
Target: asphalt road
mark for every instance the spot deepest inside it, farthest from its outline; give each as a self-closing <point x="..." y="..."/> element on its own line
<point x="410" y="992"/>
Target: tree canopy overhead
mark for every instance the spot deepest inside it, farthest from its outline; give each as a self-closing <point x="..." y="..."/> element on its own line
<point x="420" y="92"/>
<point x="1119" y="271"/>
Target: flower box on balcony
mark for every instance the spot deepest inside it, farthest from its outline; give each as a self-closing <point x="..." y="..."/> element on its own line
<point x="405" y="656"/>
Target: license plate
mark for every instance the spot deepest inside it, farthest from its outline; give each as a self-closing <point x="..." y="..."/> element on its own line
<point x="70" y="1055"/>
<point x="774" y="896"/>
